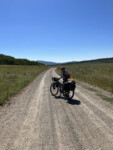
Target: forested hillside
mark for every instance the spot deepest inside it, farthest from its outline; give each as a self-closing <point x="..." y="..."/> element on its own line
<point x="8" y="60"/>
<point x="102" y="60"/>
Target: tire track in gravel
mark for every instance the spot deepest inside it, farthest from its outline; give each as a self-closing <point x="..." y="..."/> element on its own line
<point x="35" y="120"/>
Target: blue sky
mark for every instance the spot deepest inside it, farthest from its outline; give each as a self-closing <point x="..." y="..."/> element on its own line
<point x="56" y="30"/>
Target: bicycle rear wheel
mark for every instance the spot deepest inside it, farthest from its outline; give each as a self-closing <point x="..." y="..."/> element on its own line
<point x="69" y="94"/>
<point x="54" y="89"/>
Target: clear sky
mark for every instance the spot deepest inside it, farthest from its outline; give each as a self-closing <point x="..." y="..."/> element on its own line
<point x="56" y="30"/>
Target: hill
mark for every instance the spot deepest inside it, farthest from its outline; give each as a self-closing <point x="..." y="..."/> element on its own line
<point x="101" y="60"/>
<point x="9" y="60"/>
<point x="49" y="63"/>
<point x="46" y="62"/>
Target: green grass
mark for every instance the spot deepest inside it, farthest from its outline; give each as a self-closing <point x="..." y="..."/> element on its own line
<point x="90" y="89"/>
<point x="97" y="74"/>
<point x="14" y="78"/>
<point x="106" y="98"/>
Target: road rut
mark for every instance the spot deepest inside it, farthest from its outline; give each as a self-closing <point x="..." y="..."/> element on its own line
<point x="35" y="120"/>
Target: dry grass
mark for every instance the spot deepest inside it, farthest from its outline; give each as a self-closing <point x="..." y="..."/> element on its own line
<point x="14" y="78"/>
<point x="97" y="74"/>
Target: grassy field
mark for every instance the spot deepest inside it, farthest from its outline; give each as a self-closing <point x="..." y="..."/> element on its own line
<point x="14" y="78"/>
<point x="97" y="74"/>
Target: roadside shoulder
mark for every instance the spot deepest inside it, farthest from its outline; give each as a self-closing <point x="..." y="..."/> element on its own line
<point x="104" y="95"/>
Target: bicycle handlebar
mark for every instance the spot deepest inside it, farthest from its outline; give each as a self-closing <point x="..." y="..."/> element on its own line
<point x="55" y="79"/>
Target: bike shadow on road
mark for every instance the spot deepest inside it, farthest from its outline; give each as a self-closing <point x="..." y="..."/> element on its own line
<point x="69" y="100"/>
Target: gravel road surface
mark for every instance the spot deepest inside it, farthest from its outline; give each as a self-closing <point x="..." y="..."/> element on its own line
<point x="36" y="120"/>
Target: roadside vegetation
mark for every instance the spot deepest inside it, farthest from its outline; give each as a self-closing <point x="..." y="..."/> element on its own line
<point x="14" y="77"/>
<point x="99" y="74"/>
<point x="100" y="94"/>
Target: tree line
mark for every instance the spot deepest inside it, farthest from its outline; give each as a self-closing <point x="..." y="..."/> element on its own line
<point x="9" y="60"/>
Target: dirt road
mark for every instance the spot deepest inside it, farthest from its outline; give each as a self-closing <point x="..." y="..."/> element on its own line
<point x="35" y="120"/>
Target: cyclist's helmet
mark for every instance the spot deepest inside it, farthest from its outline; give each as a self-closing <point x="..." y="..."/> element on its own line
<point x="62" y="68"/>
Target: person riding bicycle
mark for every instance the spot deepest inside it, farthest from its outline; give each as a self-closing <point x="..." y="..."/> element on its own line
<point x="64" y="74"/>
<point x="66" y="88"/>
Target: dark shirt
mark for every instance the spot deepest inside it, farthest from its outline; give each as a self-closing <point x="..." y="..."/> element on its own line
<point x="64" y="76"/>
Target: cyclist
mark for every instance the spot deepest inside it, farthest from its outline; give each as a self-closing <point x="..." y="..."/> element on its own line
<point x="64" y="74"/>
